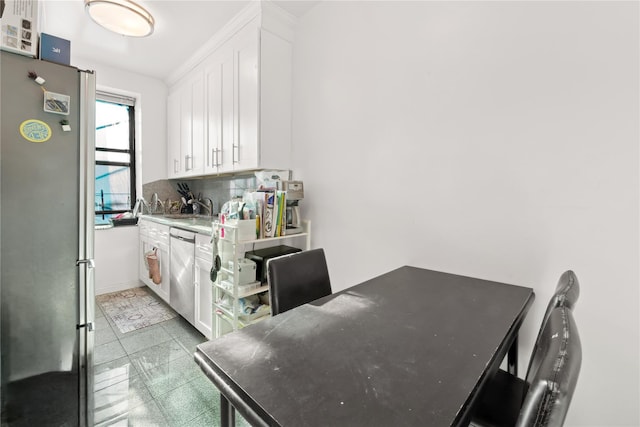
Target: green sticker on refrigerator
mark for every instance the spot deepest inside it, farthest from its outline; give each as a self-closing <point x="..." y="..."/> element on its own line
<point x="35" y="130"/>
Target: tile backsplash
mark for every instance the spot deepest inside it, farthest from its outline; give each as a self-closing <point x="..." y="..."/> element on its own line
<point x="218" y="189"/>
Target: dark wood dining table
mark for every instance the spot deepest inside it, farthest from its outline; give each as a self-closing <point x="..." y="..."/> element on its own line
<point x="412" y="347"/>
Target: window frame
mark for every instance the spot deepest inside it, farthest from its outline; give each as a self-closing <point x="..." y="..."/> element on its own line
<point x="130" y="103"/>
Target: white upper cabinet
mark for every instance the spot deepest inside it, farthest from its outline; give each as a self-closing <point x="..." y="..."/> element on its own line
<point x="274" y="112"/>
<point x="174" y="167"/>
<point x="235" y="107"/>
<point x="218" y="72"/>
<point x="193" y="145"/>
<point x="186" y="127"/>
<point x="245" y="153"/>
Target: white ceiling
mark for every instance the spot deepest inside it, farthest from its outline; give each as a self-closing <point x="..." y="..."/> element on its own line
<point x="182" y="26"/>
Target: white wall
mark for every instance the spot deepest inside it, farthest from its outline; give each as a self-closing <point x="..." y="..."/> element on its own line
<point x="492" y="139"/>
<point x="151" y="110"/>
<point x="116" y="256"/>
<point x="116" y="249"/>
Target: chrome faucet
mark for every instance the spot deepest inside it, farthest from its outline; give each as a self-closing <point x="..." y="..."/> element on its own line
<point x="143" y="205"/>
<point x="208" y="206"/>
<point x="197" y="204"/>
<point x="155" y="202"/>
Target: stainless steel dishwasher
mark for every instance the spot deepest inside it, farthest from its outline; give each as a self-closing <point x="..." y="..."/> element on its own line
<point x="181" y="287"/>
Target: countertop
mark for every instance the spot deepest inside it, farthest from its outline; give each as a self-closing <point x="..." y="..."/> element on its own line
<point x="199" y="224"/>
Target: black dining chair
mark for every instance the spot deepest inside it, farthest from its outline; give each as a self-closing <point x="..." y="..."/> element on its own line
<point x="297" y="279"/>
<point x="552" y="386"/>
<point x="566" y="295"/>
<point x="503" y="397"/>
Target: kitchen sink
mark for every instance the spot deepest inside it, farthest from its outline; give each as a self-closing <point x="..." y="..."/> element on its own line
<point x="201" y="223"/>
<point x="188" y="219"/>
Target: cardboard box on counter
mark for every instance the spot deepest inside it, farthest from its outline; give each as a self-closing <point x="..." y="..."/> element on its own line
<point x="19" y="26"/>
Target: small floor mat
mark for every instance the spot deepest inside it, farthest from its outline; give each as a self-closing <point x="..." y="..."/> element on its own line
<point x="134" y="309"/>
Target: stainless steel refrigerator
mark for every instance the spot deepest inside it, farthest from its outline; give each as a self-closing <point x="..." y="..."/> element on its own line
<point x="46" y="233"/>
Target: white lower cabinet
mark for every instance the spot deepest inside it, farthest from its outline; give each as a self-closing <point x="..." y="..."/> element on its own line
<point x="219" y="307"/>
<point x="203" y="303"/>
<point x="154" y="238"/>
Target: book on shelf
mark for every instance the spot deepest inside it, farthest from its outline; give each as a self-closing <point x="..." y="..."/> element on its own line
<point x="281" y="215"/>
<point x="270" y="207"/>
<point x="270" y="213"/>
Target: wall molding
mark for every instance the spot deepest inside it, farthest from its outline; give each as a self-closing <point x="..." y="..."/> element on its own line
<point x="234" y="25"/>
<point x="270" y="16"/>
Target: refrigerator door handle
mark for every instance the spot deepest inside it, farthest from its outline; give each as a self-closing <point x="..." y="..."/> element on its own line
<point x="90" y="326"/>
<point x="90" y="262"/>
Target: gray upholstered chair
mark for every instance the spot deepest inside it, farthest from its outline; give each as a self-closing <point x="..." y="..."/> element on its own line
<point x="297" y="279"/>
<point x="505" y="393"/>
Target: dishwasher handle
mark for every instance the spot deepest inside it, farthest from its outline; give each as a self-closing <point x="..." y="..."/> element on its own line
<point x="187" y="237"/>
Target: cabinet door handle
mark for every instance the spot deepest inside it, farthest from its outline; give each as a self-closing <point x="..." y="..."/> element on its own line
<point x="175" y="166"/>
<point x="187" y="165"/>
<point x="236" y="159"/>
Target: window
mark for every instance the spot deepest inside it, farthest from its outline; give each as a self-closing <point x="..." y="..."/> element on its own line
<point x="115" y="156"/>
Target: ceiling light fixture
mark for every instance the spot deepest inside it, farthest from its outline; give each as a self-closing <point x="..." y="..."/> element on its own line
<point x="121" y="16"/>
